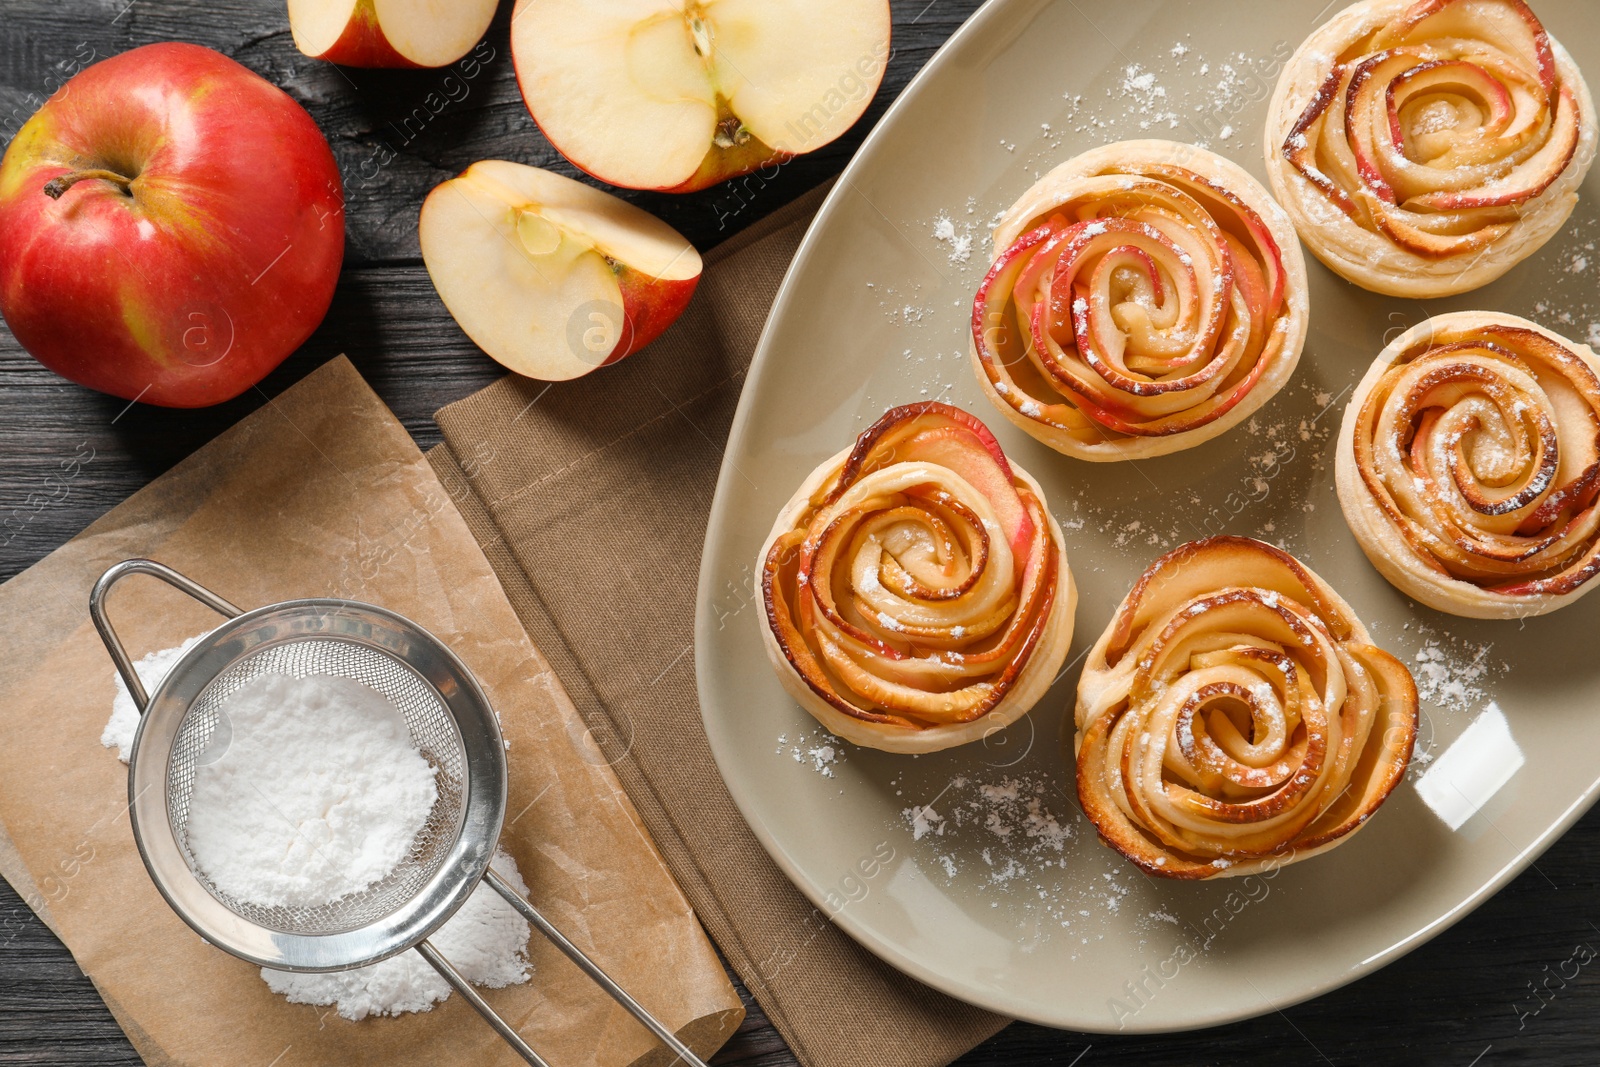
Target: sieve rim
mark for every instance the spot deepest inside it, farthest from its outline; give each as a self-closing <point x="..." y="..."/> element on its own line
<point x="483" y="772"/>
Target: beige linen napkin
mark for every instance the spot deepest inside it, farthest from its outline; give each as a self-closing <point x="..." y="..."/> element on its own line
<point x="593" y="497"/>
<point x="323" y="493"/>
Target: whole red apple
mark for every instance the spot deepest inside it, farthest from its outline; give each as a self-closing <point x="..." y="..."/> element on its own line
<point x="171" y="227"/>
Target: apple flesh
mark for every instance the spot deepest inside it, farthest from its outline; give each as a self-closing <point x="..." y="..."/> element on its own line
<point x="389" y="33"/>
<point x="677" y="96"/>
<point x="946" y="436"/>
<point x="958" y="449"/>
<point x="171" y="227"/>
<point x="551" y="277"/>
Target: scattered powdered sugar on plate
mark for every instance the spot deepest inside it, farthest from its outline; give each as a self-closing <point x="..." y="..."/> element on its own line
<point x="1148" y="97"/>
<point x="1182" y="94"/>
<point x="1451" y="672"/>
<point x="486" y="940"/>
<point x="1017" y="837"/>
<point x="899" y="306"/>
<point x="124" y="721"/>
<point x="1574" y="312"/>
<point x="815" y="748"/>
<point x="1285" y="447"/>
<point x="1021" y="833"/>
<point x="319" y="793"/>
<point x="1424" y="748"/>
<point x="959" y="241"/>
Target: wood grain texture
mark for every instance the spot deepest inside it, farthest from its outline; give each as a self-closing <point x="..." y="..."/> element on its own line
<point x="1495" y="989"/>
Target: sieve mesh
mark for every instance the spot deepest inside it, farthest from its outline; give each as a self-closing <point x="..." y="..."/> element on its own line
<point x="433" y="731"/>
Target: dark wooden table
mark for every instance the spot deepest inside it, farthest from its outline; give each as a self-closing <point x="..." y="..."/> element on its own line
<point x="1495" y="989"/>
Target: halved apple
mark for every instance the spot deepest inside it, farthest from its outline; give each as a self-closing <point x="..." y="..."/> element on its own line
<point x="682" y="94"/>
<point x="389" y="33"/>
<point x="550" y="277"/>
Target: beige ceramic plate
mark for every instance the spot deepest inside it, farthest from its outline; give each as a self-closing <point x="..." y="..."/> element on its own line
<point x="972" y="869"/>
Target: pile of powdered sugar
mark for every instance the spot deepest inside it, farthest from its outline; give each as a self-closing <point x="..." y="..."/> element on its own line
<point x="124" y="721"/>
<point x="486" y="941"/>
<point x="959" y="241"/>
<point x="320" y="792"/>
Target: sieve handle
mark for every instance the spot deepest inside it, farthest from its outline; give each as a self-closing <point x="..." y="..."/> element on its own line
<point x="108" y="634"/>
<point x="426" y="950"/>
<point x="592" y="969"/>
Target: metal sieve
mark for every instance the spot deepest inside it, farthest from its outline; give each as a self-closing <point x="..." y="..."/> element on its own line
<point x="182" y="726"/>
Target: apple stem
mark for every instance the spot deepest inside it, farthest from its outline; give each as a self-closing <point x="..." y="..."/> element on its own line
<point x="57" y="186"/>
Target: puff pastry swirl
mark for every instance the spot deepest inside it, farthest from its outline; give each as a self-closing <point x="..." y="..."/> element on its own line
<point x="916" y="587"/>
<point x="1469" y="462"/>
<point x="1235" y="716"/>
<point x="1425" y="147"/>
<point x="1145" y="297"/>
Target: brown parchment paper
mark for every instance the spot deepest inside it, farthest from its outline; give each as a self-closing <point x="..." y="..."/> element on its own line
<point x="322" y="493"/>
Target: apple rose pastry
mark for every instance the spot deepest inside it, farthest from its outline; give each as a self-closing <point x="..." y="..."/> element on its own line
<point x="1235" y="716"/>
<point x="916" y="586"/>
<point x="1468" y="465"/>
<point x="1145" y="297"/>
<point x="1425" y="147"/>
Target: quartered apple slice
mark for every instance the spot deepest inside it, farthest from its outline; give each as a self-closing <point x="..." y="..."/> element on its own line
<point x="682" y="94"/>
<point x="550" y="277"/>
<point x="389" y="33"/>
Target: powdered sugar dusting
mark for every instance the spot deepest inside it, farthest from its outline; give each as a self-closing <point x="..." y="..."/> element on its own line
<point x="957" y="241"/>
<point x="486" y="941"/>
<point x="151" y="669"/>
<point x="1451" y="671"/>
<point x="816" y="749"/>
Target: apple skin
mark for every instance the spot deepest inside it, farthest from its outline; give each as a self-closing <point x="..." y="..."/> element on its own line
<point x="217" y="260"/>
<point x="363" y="44"/>
<point x="649" y="305"/>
